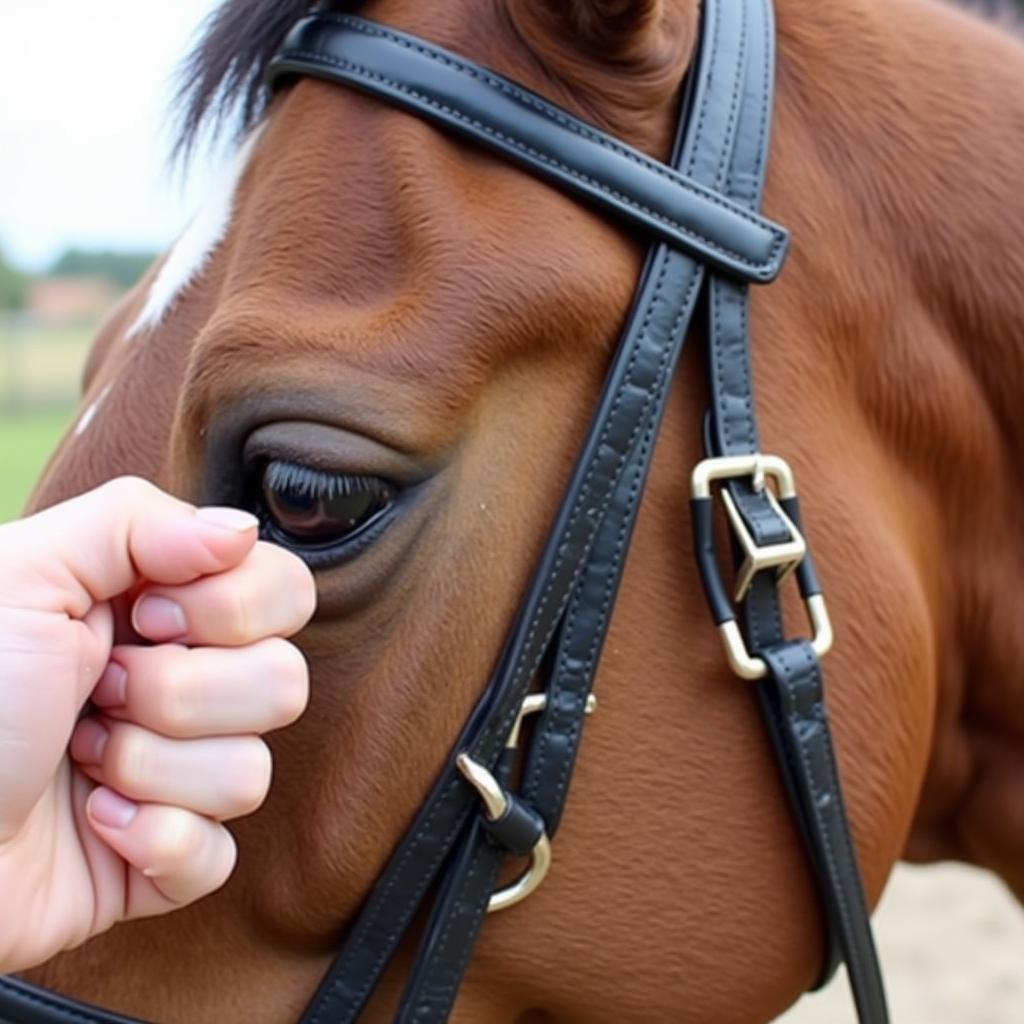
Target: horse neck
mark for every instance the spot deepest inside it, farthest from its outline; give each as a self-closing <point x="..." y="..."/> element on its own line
<point x="929" y="315"/>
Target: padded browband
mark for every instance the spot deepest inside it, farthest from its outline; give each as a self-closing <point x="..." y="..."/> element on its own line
<point x="500" y="115"/>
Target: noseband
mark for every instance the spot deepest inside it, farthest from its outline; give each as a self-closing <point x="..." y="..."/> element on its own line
<point x="709" y="244"/>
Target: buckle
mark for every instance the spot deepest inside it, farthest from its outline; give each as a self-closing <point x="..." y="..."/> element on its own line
<point x="783" y="557"/>
<point x="786" y="557"/>
<point x="497" y="804"/>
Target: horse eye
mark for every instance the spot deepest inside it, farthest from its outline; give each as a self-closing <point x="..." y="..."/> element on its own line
<point x="308" y="507"/>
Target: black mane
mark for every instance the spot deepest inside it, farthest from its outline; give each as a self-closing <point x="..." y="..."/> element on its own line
<point x="221" y="79"/>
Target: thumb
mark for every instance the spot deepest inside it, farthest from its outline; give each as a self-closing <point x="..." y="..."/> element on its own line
<point x="95" y="546"/>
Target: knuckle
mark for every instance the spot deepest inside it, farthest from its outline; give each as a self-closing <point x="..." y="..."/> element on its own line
<point x="130" y="489"/>
<point x="225" y="859"/>
<point x="227" y="609"/>
<point x="289" y="685"/>
<point x="304" y="589"/>
<point x="249" y="782"/>
<point x="127" y="760"/>
<point x="286" y="570"/>
<point x="178" y="840"/>
<point x="174" y="696"/>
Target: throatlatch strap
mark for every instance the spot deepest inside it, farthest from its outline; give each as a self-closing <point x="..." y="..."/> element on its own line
<point x="525" y="129"/>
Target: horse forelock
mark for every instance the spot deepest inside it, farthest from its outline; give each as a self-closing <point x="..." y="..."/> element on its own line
<point x="222" y="78"/>
<point x="646" y="42"/>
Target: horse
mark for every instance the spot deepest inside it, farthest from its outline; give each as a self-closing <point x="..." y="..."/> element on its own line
<point x="379" y="316"/>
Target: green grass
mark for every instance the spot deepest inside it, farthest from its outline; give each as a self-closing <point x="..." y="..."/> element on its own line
<point x="40" y="380"/>
<point x="26" y="440"/>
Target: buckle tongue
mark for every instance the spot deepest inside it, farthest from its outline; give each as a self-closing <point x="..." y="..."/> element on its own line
<point x="785" y="557"/>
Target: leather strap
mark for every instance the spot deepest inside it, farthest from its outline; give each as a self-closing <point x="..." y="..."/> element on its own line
<point x="716" y="83"/>
<point x="711" y="112"/>
<point x="22" y="1003"/>
<point x="527" y="130"/>
<point x="637" y="380"/>
<point x="791" y="696"/>
<point x="793" y="702"/>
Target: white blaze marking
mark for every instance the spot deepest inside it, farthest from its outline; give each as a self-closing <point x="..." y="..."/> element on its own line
<point x="90" y="414"/>
<point x="195" y="246"/>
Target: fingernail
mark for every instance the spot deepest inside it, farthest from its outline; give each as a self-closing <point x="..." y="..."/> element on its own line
<point x="233" y="519"/>
<point x="159" y="618"/>
<point x="89" y="741"/>
<point x="108" y="808"/>
<point x="111" y="690"/>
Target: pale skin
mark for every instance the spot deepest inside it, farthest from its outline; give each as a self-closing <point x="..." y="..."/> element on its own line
<point x="142" y="655"/>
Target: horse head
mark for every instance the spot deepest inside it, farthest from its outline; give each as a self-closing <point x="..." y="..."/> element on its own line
<point x="388" y="344"/>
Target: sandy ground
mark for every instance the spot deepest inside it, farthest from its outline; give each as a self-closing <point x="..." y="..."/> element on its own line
<point x="951" y="941"/>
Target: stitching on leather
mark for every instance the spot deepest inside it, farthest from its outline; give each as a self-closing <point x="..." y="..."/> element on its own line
<point x="359" y="70"/>
<point x="360" y="992"/>
<point x="702" y="114"/>
<point x="583" y="498"/>
<point x="746" y="370"/>
<point x="839" y="889"/>
<point x="447" y="992"/>
<point x="551" y="112"/>
<point x="685" y="231"/>
<point x="752" y="196"/>
<point x="768" y="36"/>
<point x="748" y="190"/>
<point x="719" y="355"/>
<point x="845" y="836"/>
<point x="488" y="733"/>
<point x="741" y="51"/>
<point x="576" y="723"/>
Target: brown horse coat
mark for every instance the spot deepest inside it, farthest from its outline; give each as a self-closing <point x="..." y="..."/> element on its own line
<point x="394" y="302"/>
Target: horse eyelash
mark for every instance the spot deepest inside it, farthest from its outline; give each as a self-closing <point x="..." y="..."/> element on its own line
<point x="292" y="476"/>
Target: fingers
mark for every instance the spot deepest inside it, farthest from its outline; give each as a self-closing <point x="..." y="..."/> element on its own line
<point x="99" y="544"/>
<point x="184" y="692"/>
<point x="221" y="777"/>
<point x="271" y="593"/>
<point x="181" y="855"/>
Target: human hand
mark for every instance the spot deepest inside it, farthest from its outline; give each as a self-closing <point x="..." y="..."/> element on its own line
<point x="118" y="814"/>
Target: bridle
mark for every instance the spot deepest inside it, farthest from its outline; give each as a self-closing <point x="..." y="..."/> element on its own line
<point x="709" y="244"/>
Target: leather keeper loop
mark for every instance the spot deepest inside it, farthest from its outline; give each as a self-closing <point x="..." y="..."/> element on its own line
<point x="519" y="829"/>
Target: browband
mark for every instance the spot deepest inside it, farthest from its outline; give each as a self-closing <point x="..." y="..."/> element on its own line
<point x="500" y="115"/>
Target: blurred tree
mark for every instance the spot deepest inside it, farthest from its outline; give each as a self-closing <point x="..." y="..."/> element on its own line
<point x="12" y="285"/>
<point x="123" y="268"/>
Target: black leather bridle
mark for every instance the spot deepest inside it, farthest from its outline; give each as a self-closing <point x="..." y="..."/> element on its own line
<point x="709" y="244"/>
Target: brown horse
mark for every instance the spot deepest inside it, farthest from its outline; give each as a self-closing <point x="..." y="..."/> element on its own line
<point x="373" y="299"/>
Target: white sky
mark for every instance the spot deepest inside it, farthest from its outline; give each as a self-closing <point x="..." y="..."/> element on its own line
<point x="84" y="130"/>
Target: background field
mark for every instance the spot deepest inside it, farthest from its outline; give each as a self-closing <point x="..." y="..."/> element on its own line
<point x="26" y="439"/>
<point x="40" y="370"/>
